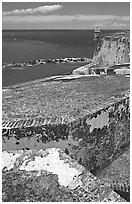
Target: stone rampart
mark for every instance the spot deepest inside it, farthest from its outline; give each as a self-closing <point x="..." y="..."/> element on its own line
<point x="93" y="140"/>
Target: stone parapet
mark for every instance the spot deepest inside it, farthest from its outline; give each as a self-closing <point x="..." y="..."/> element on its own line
<point x="94" y="139"/>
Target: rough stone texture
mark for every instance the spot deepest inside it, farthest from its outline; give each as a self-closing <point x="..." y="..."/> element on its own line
<point x="24" y="180"/>
<point x="95" y="134"/>
<point x="87" y="118"/>
<point x="109" y="51"/>
<point x="112" y="51"/>
<point x="117" y="174"/>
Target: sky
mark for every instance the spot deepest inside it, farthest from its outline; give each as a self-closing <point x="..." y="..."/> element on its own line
<point x="65" y="15"/>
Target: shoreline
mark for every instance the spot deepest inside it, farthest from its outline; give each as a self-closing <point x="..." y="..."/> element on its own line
<point x="45" y="61"/>
<point x="13" y="77"/>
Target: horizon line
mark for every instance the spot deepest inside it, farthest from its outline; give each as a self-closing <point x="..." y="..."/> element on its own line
<point x="68" y="29"/>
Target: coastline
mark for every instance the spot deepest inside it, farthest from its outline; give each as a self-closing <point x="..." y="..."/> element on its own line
<point x="36" y="62"/>
<point x="27" y="74"/>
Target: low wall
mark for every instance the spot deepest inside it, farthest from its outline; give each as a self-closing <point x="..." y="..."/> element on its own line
<point x="93" y="140"/>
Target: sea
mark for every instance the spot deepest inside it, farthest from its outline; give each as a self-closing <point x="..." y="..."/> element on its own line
<point x="27" y="45"/>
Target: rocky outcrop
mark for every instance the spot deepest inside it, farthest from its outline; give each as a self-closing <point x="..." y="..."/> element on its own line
<point x="117" y="174"/>
<point x="50" y="176"/>
<point x="110" y="50"/>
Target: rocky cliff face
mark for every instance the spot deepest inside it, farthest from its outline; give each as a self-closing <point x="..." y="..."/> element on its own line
<point x="112" y="50"/>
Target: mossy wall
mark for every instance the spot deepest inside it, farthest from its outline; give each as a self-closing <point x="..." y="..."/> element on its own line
<point x="93" y="140"/>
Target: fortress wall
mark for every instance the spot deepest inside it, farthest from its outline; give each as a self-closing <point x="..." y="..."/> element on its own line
<point x="93" y="140"/>
<point x="110" y="52"/>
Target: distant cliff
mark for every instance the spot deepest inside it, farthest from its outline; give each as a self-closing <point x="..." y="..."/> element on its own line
<point x="110" y="50"/>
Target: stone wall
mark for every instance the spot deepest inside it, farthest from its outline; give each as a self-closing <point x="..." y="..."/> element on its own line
<point x="117" y="174"/>
<point x="93" y="140"/>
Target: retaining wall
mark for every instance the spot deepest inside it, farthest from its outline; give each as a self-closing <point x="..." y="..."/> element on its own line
<point x="93" y="140"/>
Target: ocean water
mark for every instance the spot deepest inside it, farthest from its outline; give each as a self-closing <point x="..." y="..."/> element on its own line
<point x="27" y="45"/>
<point x="14" y="76"/>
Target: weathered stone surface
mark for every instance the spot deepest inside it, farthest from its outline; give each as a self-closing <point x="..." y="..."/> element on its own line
<point x="87" y="118"/>
<point x="96" y="133"/>
<point x="109" y="51"/>
<point x="92" y="140"/>
<point x="50" y="175"/>
<point x="115" y="50"/>
<point x="117" y="174"/>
